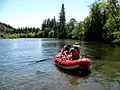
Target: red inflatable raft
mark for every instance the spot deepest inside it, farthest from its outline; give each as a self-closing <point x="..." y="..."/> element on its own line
<point x="84" y="63"/>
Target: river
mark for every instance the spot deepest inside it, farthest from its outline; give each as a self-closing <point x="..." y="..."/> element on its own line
<point x="19" y="71"/>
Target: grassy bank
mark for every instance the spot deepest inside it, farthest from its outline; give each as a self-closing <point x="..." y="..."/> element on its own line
<point x="22" y="35"/>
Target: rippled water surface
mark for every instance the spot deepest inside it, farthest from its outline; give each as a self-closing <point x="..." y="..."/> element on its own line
<point x="20" y="71"/>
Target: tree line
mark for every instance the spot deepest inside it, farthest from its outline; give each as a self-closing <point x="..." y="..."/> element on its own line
<point x="102" y="24"/>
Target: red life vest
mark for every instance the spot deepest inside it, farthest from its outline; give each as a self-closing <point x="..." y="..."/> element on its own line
<point x="75" y="53"/>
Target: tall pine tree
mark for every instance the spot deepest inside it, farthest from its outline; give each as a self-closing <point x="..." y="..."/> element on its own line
<point x="61" y="32"/>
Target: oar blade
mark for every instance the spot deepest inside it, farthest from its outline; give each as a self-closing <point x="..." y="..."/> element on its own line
<point x="44" y="60"/>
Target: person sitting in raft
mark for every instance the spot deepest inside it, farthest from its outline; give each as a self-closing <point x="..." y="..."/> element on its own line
<point x="66" y="50"/>
<point x="75" y="53"/>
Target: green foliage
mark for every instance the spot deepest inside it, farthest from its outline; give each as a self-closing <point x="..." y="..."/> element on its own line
<point x="22" y="35"/>
<point x="30" y="35"/>
<point x="51" y="34"/>
<point x="72" y="23"/>
<point x="102" y="23"/>
<point x="75" y="34"/>
<point x="116" y="37"/>
<point x="27" y="30"/>
<point x="47" y="23"/>
<point x="40" y="34"/>
<point x="68" y="31"/>
<point x="46" y="31"/>
<point x="95" y="29"/>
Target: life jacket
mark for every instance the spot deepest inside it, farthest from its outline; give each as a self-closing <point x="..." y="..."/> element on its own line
<point x="75" y="52"/>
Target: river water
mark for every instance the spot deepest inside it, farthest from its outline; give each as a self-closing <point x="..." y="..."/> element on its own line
<point x="20" y="71"/>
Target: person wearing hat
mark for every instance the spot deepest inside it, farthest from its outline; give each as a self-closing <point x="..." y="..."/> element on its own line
<point x="76" y="45"/>
<point x="75" y="53"/>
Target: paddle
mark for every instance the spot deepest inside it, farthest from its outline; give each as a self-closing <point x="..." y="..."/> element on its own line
<point x="44" y="59"/>
<point x="53" y="58"/>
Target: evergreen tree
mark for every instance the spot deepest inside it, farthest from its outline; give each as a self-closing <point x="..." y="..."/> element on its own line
<point x="55" y="27"/>
<point x="44" y="24"/>
<point x="48" y="23"/>
<point x="61" y="32"/>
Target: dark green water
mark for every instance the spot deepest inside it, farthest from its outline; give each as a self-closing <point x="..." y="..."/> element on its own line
<point x="18" y="70"/>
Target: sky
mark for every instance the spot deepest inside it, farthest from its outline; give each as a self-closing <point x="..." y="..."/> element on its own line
<point x="31" y="13"/>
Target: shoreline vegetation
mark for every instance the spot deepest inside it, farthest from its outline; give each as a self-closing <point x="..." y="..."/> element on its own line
<point x="101" y="25"/>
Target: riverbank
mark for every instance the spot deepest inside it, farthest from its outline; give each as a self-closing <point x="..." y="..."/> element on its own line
<point x="21" y="35"/>
<point x="40" y="35"/>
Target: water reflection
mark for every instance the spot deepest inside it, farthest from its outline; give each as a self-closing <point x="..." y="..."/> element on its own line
<point x="76" y="72"/>
<point x="75" y="77"/>
<point x="18" y="69"/>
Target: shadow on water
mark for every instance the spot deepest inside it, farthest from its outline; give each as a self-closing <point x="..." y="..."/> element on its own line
<point x="75" y="72"/>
